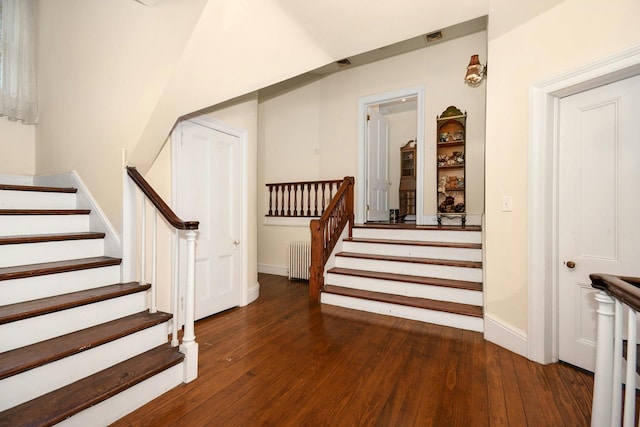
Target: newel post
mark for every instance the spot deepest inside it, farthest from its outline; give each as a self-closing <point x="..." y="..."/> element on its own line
<point x="189" y="345"/>
<point x="603" y="375"/>
<point x="316" y="277"/>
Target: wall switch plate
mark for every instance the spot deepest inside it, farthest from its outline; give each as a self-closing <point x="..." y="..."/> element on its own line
<point x="507" y="204"/>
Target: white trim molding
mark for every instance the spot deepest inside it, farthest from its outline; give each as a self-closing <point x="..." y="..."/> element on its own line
<point x="501" y="333"/>
<point x="288" y="221"/>
<point x="277" y="270"/>
<point x="542" y="280"/>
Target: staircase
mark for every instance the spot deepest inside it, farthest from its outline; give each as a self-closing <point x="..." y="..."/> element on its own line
<point x="77" y="347"/>
<point x="430" y="274"/>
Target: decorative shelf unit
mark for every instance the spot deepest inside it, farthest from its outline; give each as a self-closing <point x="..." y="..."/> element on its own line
<point x="451" y="167"/>
<point x="407" y="190"/>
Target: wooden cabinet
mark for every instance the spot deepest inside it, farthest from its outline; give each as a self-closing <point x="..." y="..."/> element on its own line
<point x="407" y="190"/>
<point x="451" y="167"/>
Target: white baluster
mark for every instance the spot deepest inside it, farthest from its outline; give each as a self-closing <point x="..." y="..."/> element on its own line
<point x="154" y="262"/>
<point x="189" y="346"/>
<point x="175" y="299"/>
<point x="143" y="241"/>
<point x="630" y="383"/>
<point x="616" y="384"/>
<point x="603" y="375"/>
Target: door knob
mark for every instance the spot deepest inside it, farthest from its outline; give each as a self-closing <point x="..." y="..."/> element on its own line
<point x="236" y="242"/>
<point x="570" y="264"/>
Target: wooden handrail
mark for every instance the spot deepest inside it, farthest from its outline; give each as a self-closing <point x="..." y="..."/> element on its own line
<point x="325" y="233"/>
<point x="288" y="199"/>
<point x="625" y="289"/>
<point x="157" y="201"/>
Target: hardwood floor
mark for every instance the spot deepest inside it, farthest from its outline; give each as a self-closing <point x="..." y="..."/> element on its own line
<point x="280" y="362"/>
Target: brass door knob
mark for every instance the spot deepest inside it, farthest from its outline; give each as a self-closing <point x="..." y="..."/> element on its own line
<point x="570" y="264"/>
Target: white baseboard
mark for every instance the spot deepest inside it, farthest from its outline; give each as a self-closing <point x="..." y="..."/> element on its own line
<point x="273" y="269"/>
<point x="253" y="293"/>
<point x="505" y="335"/>
<point x="288" y="221"/>
<point x="16" y="179"/>
<point x="472" y="219"/>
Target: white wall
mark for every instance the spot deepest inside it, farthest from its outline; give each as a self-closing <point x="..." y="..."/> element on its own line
<point x="573" y="33"/>
<point x="18" y="148"/>
<point x="324" y="115"/>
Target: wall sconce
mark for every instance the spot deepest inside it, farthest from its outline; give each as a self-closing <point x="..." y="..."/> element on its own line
<point x="475" y="72"/>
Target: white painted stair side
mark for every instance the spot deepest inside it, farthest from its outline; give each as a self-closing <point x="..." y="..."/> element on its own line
<point x="421" y="251"/>
<point x="33" y="253"/>
<point x="29" y="288"/>
<point x="440" y="293"/>
<point x="16" y="199"/>
<point x="406" y="312"/>
<point x="43" y="379"/>
<point x="62" y="322"/>
<point x="423" y="235"/>
<point x="414" y="269"/>
<point x="17" y="225"/>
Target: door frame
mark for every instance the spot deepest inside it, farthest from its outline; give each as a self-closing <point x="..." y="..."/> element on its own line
<point x="242" y="135"/>
<point x="542" y="283"/>
<point x="363" y="150"/>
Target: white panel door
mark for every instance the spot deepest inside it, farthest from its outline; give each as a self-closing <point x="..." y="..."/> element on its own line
<point x="378" y="167"/>
<point x="209" y="190"/>
<point x="599" y="205"/>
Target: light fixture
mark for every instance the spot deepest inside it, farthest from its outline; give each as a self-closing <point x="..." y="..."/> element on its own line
<point x="475" y="72"/>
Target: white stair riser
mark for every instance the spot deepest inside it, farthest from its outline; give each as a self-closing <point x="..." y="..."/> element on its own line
<point x="11" y="199"/>
<point x="450" y="236"/>
<point x="30" y="288"/>
<point x="440" y="293"/>
<point x="405" y="312"/>
<point x="40" y="328"/>
<point x="414" y="269"/>
<point x="43" y="379"/>
<point x="16" y="225"/>
<point x="33" y="253"/>
<point x="460" y="254"/>
<point x="116" y="407"/>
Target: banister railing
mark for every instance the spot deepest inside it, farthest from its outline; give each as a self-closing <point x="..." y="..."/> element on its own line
<point x="188" y="346"/>
<point x="300" y="199"/>
<point x="618" y="297"/>
<point x="326" y="231"/>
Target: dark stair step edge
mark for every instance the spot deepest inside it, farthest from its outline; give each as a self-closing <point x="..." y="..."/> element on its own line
<point x="413" y="260"/>
<point x="38" y="307"/>
<point x="415" y="243"/>
<point x="41" y="238"/>
<point x="424" y="303"/>
<point x="401" y="226"/>
<point x="22" y="359"/>
<point x="17" y="212"/>
<point x="38" y="188"/>
<point x="67" y="401"/>
<point x="420" y="280"/>
<point x="31" y="270"/>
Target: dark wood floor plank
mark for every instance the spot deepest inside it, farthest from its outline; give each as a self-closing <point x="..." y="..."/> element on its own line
<point x="283" y="362"/>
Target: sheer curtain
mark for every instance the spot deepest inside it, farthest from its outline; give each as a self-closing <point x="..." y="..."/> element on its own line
<point x="18" y="91"/>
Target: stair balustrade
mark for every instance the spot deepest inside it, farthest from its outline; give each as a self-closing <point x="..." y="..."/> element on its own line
<point x="618" y="298"/>
<point x="131" y="263"/>
<point x="300" y="199"/>
<point x="326" y="231"/>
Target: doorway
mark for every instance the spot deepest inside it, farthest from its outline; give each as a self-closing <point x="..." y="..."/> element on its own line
<point x="387" y="122"/>
<point x="208" y="175"/>
<point x="544" y="258"/>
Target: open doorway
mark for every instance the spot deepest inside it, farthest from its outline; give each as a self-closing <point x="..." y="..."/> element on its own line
<point x="390" y="178"/>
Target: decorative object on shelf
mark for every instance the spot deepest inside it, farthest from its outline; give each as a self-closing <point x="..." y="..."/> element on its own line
<point x="407" y="190"/>
<point x="451" y="164"/>
<point x="476" y="72"/>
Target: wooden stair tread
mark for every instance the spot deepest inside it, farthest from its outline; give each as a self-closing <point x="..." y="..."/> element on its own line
<point x="38" y="188"/>
<point x="67" y="401"/>
<point x="414" y="260"/>
<point x="39" y="307"/>
<point x="421" y="280"/>
<point x="39" y="238"/>
<point x="15" y="361"/>
<point x="31" y="270"/>
<point x="45" y="211"/>
<point x="415" y="243"/>
<point x="420" y="227"/>
<point x="428" y="304"/>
